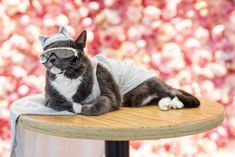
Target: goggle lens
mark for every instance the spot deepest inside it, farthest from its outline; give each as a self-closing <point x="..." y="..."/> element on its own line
<point x="59" y="52"/>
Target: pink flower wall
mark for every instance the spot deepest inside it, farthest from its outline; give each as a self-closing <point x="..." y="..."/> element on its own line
<point x="190" y="44"/>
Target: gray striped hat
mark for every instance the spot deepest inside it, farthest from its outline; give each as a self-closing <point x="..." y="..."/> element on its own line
<point x="62" y="35"/>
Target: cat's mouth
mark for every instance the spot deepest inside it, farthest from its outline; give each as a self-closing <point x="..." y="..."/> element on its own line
<point x="55" y="70"/>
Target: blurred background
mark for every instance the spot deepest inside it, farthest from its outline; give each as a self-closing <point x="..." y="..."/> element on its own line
<point x="190" y="44"/>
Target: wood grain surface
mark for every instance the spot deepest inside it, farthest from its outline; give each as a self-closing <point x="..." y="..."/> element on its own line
<point x="145" y="123"/>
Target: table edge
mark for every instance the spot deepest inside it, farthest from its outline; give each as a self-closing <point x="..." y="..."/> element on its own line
<point x="123" y="134"/>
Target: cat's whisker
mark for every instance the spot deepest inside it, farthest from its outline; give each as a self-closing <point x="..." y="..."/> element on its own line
<point x="70" y="69"/>
<point x="77" y="67"/>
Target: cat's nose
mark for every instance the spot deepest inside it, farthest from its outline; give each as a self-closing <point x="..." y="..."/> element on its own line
<point x="52" y="60"/>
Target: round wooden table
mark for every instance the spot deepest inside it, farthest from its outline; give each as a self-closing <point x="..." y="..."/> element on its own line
<point x="118" y="127"/>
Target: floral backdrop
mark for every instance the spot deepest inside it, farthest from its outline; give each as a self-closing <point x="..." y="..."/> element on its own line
<point x="190" y="44"/>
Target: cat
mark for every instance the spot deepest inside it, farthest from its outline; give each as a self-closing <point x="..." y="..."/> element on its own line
<point x="88" y="86"/>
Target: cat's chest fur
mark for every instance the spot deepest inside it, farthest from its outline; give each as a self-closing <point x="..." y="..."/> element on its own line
<point x="66" y="86"/>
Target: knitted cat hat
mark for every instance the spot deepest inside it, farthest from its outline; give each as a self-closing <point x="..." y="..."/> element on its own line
<point x="62" y="35"/>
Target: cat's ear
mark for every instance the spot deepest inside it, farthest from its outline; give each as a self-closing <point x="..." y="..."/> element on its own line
<point x="43" y="38"/>
<point x="64" y="31"/>
<point x="81" y="40"/>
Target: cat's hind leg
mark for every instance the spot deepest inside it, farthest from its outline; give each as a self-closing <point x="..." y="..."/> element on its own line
<point x="162" y="94"/>
<point x="187" y="99"/>
<point x="140" y="96"/>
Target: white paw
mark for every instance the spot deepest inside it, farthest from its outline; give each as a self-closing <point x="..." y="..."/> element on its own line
<point x="77" y="108"/>
<point x="165" y="103"/>
<point x="176" y="103"/>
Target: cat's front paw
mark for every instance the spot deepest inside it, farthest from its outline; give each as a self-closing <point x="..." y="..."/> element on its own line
<point x="77" y="108"/>
<point x="87" y="109"/>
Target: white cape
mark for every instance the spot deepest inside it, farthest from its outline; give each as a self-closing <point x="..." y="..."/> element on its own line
<point x="26" y="143"/>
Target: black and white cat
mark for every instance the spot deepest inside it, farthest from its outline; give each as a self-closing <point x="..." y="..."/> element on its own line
<point x="99" y="85"/>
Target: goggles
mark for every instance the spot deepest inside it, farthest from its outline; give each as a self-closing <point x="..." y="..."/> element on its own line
<point x="61" y="52"/>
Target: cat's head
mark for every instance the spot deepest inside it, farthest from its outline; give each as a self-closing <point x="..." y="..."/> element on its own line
<point x="66" y="57"/>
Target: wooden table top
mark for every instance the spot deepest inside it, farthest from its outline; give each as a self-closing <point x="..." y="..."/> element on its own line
<point x="145" y="123"/>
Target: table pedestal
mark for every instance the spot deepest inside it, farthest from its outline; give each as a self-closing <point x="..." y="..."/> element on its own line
<point x="116" y="148"/>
